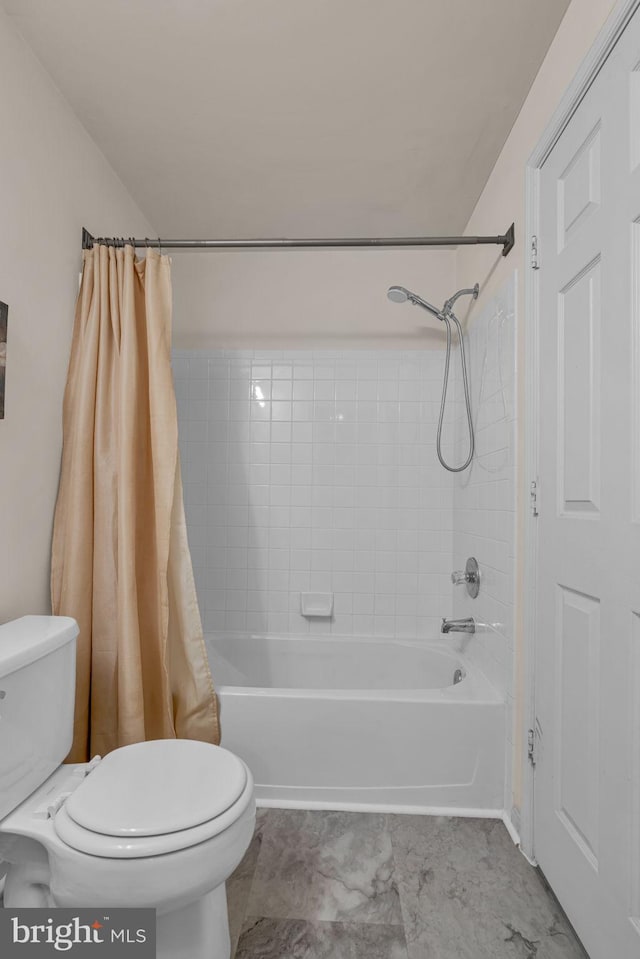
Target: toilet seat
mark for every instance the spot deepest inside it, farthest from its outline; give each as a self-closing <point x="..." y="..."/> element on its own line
<point x="156" y="797"/>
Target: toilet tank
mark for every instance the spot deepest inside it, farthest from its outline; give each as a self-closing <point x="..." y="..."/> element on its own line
<point x="37" y="692"/>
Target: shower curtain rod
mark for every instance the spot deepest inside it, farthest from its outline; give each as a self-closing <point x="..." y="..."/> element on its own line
<point x="507" y="241"/>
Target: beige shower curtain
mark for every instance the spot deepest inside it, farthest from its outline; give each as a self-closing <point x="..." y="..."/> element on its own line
<point x="120" y="561"/>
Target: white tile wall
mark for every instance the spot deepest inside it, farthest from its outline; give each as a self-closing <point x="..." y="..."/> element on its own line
<point x="316" y="471"/>
<point x="484" y="499"/>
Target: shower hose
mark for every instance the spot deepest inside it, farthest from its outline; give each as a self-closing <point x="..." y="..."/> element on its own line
<point x="448" y="316"/>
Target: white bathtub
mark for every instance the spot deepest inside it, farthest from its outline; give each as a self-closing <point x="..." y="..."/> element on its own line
<point x="351" y="723"/>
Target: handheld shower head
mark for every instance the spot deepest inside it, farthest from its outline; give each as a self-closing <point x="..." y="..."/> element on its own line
<point x="399" y="294"/>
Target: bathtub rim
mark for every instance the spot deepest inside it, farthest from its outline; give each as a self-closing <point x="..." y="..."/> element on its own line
<point x="474" y="687"/>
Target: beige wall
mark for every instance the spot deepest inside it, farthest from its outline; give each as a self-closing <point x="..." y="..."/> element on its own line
<point x="306" y="299"/>
<point x="53" y="180"/>
<point x="503" y="201"/>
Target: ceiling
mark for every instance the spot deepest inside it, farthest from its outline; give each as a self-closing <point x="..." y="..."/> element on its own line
<point x="231" y="118"/>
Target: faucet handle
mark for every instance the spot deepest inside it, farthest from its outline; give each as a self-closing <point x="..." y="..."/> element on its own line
<point x="469" y="577"/>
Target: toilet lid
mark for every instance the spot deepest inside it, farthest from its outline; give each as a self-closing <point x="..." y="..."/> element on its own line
<point x="157" y="787"/>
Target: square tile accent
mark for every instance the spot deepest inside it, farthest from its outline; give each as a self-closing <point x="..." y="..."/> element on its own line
<point x="334" y="867"/>
<point x="467" y="893"/>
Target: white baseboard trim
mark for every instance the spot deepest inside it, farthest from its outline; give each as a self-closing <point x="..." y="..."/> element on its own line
<point x="510" y="827"/>
<point x="467" y="813"/>
<point x="510" y="821"/>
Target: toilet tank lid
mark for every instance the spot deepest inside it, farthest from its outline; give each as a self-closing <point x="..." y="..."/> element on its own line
<point x="25" y="640"/>
<point x="157" y="787"/>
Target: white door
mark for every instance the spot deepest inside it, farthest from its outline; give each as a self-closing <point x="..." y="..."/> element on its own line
<point x="587" y="776"/>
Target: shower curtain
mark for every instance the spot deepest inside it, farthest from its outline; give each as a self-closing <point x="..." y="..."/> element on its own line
<point x="120" y="559"/>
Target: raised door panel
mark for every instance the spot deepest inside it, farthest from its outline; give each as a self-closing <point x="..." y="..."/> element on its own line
<point x="635" y="372"/>
<point x="634" y="699"/>
<point x="578" y="460"/>
<point x="634" y="117"/>
<point x="579" y="188"/>
<point x="576" y="757"/>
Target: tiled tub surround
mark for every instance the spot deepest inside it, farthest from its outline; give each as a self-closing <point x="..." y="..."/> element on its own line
<point x="316" y="471"/>
<point x="349" y="723"/>
<point x="336" y="885"/>
<point x="484" y="499"/>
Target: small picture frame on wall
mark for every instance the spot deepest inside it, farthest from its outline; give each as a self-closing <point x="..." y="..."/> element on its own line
<point x="4" y="314"/>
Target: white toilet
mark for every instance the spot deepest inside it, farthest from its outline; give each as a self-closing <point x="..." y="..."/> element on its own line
<point x="160" y="824"/>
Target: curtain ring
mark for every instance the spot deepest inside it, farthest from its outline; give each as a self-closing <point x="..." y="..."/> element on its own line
<point x="159" y="246"/>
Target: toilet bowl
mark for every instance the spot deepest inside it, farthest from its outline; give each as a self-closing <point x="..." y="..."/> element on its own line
<point x="158" y="824"/>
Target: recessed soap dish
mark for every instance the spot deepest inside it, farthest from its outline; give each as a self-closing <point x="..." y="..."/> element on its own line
<point x="316" y="604"/>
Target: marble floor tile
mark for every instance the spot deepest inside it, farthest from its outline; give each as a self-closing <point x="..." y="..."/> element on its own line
<point x="468" y="893"/>
<point x="239" y="883"/>
<point x="301" y="939"/>
<point x="331" y="866"/>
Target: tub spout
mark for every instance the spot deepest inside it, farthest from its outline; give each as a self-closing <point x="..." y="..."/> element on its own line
<point x="467" y="625"/>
